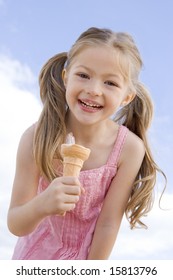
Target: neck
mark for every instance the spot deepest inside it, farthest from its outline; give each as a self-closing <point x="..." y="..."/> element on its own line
<point x="87" y="135"/>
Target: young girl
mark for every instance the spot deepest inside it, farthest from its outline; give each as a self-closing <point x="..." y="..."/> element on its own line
<point x="64" y="218"/>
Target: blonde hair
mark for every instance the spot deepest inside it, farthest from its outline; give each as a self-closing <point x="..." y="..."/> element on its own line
<point x="137" y="116"/>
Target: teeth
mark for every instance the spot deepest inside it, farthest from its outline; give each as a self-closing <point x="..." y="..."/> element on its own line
<point x="90" y="105"/>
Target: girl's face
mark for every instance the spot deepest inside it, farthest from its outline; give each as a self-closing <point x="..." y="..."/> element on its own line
<point x="95" y="88"/>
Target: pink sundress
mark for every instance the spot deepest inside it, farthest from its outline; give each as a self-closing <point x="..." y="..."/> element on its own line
<point x="70" y="236"/>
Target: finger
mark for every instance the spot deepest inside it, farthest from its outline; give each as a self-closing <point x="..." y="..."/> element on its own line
<point x="61" y="213"/>
<point x="72" y="190"/>
<point x="69" y="180"/>
<point x="82" y="190"/>
<point x="71" y="199"/>
<point x="69" y="206"/>
<point x="66" y="208"/>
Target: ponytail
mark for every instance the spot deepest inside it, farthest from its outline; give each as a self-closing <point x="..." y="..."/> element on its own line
<point x="51" y="130"/>
<point x="137" y="117"/>
<point x="138" y="113"/>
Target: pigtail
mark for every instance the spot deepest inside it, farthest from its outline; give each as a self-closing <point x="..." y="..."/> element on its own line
<point x="51" y="130"/>
<point x="137" y="117"/>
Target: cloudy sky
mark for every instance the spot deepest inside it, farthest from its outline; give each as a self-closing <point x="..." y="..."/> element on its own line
<point x="33" y="31"/>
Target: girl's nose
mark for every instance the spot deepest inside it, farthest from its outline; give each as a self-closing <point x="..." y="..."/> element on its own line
<point x="95" y="89"/>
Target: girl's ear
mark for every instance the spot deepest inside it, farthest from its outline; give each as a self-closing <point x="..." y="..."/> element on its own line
<point x="129" y="97"/>
<point x="64" y="76"/>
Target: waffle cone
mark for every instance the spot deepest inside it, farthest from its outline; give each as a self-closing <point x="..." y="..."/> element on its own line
<point x="74" y="157"/>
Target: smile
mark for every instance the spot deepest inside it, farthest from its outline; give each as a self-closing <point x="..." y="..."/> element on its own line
<point x="91" y="105"/>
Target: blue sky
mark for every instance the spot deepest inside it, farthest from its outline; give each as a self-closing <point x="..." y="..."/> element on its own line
<point x="33" y="31"/>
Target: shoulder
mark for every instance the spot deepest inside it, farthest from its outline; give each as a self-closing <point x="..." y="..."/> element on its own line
<point x="133" y="142"/>
<point x="25" y="148"/>
<point x="27" y="173"/>
<point x="26" y="167"/>
<point x="29" y="132"/>
<point x="134" y="148"/>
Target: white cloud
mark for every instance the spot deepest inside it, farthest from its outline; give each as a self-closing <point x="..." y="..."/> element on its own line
<point x="13" y="71"/>
<point x="19" y="109"/>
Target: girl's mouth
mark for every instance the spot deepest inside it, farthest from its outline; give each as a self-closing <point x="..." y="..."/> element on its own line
<point x="89" y="105"/>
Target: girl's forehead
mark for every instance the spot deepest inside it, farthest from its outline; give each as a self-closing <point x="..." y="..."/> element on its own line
<point x="99" y="51"/>
<point x="103" y="57"/>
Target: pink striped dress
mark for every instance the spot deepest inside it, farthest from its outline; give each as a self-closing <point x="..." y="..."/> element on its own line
<point x="69" y="237"/>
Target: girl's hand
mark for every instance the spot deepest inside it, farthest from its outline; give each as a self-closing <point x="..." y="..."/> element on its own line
<point x="61" y="195"/>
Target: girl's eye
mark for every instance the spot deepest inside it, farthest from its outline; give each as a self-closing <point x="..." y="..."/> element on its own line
<point x="113" y="84"/>
<point x="83" y="75"/>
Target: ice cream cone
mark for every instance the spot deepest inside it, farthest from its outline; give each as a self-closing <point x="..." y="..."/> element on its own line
<point x="73" y="158"/>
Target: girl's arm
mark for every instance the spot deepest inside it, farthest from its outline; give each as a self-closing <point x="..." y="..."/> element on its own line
<point x="116" y="199"/>
<point x="27" y="208"/>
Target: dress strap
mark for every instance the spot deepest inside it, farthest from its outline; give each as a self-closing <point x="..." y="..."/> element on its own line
<point x="118" y="146"/>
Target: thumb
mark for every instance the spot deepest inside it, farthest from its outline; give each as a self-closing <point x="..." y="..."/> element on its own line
<point x="82" y="190"/>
